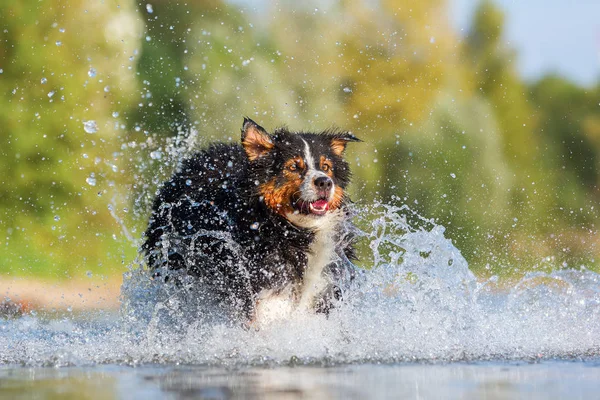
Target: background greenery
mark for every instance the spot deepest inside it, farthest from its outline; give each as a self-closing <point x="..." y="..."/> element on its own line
<point x="509" y="167"/>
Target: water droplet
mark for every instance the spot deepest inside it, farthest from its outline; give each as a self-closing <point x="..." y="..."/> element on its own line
<point x="347" y="90"/>
<point x="58" y="43"/>
<point x="91" y="180"/>
<point x="1" y="70"/>
<point x="254" y="226"/>
<point x="62" y="30"/>
<point x="115" y="114"/>
<point x="92" y="73"/>
<point x="90" y="126"/>
<point x="188" y="182"/>
<point x="156" y="155"/>
<point x="149" y="8"/>
<point x="56" y="218"/>
<point x="51" y="93"/>
<point x="148" y="38"/>
<point x="106" y="89"/>
<point x="43" y="81"/>
<point x="453" y="175"/>
<point x="432" y="40"/>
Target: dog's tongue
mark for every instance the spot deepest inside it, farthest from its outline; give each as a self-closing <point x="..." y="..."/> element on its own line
<point x="320" y="206"/>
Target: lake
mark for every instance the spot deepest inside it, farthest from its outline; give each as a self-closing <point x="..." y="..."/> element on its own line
<point x="484" y="380"/>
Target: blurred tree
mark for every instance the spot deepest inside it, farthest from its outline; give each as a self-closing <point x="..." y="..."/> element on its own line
<point x="568" y="112"/>
<point x="498" y="82"/>
<point x="64" y="71"/>
<point x="165" y="78"/>
<point x="571" y="130"/>
<point x="503" y="165"/>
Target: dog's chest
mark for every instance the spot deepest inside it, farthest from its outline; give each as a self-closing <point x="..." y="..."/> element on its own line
<point x="321" y="253"/>
<point x="300" y="296"/>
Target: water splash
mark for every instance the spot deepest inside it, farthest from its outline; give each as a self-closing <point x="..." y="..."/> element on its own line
<point x="418" y="302"/>
<point x="90" y="126"/>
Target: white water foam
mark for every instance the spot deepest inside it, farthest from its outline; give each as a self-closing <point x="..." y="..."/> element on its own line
<point x="418" y="302"/>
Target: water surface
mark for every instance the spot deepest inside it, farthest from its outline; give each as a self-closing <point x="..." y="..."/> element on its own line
<point x="546" y="380"/>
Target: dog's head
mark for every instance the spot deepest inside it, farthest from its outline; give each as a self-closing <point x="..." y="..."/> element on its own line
<point x="300" y="176"/>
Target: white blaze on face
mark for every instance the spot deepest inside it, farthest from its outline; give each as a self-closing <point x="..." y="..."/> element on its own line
<point x="307" y="189"/>
<point x="322" y="249"/>
<point x="310" y="161"/>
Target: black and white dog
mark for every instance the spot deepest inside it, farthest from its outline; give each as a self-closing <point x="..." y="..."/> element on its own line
<point x="261" y="224"/>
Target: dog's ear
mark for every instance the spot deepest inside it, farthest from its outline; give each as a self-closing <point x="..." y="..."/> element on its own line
<point x="340" y="140"/>
<point x="255" y="139"/>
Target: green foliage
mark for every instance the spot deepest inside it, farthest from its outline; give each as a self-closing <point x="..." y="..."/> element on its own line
<point x="510" y="168"/>
<point x="63" y="64"/>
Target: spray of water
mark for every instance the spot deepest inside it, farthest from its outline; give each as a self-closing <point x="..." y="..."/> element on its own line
<point x="418" y="301"/>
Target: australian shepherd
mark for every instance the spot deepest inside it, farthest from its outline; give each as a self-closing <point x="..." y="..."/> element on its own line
<point x="262" y="223"/>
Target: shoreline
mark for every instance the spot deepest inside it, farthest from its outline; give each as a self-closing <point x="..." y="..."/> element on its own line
<point x="22" y="295"/>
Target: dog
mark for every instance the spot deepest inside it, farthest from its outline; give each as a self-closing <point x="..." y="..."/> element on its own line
<point x="264" y="222"/>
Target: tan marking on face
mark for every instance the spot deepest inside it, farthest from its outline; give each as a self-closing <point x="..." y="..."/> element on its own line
<point x="337" y="198"/>
<point x="280" y="198"/>
<point x="294" y="165"/>
<point x="326" y="166"/>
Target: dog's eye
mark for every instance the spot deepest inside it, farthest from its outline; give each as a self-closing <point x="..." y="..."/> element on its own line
<point x="293" y="167"/>
<point x="325" y="167"/>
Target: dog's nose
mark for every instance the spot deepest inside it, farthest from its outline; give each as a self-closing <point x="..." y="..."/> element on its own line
<point x="323" y="183"/>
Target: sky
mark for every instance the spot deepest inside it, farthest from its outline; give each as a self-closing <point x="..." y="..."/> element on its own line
<point x="551" y="36"/>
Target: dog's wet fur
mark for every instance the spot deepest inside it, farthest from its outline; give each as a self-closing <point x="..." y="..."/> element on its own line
<point x="265" y="219"/>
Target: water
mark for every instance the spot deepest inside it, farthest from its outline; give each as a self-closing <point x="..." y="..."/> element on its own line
<point x="549" y="380"/>
<point x="90" y="126"/>
<point x="419" y="311"/>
